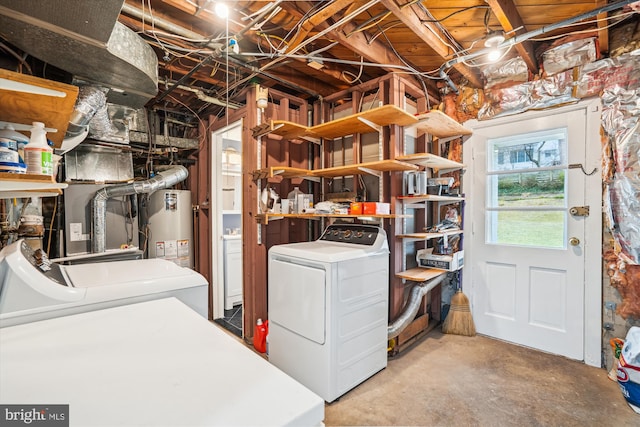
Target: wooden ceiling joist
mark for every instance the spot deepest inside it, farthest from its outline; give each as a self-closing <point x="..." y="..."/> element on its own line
<point x="413" y="17"/>
<point x="510" y="19"/>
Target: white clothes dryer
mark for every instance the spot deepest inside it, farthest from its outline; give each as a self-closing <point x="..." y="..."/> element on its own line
<point x="328" y="308"/>
<point x="32" y="288"/>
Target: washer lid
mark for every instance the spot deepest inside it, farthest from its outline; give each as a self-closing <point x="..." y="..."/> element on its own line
<point x="145" y="271"/>
<point x="324" y="251"/>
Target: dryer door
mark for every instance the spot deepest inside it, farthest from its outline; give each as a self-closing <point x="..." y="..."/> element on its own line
<point x="297" y="298"/>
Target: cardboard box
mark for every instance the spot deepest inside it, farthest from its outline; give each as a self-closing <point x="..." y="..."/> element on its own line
<point x="442" y="262"/>
<point x="373" y="208"/>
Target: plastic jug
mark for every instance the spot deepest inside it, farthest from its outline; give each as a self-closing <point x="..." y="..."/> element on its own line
<point x="260" y="337"/>
<point x="37" y="153"/>
<point x="293" y="197"/>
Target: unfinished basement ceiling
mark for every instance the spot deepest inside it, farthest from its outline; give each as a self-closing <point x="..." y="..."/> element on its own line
<point x="316" y="48"/>
<point x="279" y="39"/>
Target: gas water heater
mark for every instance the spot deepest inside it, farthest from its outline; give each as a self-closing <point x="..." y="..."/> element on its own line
<point x="171" y="226"/>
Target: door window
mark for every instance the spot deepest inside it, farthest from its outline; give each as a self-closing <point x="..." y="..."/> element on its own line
<point x="527" y="189"/>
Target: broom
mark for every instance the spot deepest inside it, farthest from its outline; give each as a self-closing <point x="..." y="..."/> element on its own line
<point x="459" y="320"/>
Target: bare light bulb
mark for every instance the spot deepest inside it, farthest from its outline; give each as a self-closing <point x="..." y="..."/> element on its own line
<point x="221" y="10"/>
<point x="493" y="55"/>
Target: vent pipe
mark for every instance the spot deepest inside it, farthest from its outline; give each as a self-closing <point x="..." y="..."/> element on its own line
<point x="162" y="180"/>
<point x="413" y="304"/>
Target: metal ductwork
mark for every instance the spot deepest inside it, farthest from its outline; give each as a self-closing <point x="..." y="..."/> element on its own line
<point x="163" y="179"/>
<point x="85" y="39"/>
<point x="412" y="306"/>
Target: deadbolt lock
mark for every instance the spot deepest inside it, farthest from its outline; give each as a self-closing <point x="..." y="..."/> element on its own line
<point x="574" y="241"/>
<point x="579" y="211"/>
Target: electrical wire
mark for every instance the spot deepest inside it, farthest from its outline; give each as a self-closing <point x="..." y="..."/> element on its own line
<point x="625" y="16"/>
<point x="478" y="6"/>
<point x="502" y="55"/>
<point x="18" y="57"/>
<point x="53" y="217"/>
<point x="355" y="78"/>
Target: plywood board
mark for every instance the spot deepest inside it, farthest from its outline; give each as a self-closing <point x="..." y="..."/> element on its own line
<point x="381" y="116"/>
<point x="361" y="168"/>
<point x="425" y="236"/>
<point x="281" y="171"/>
<point x="355" y="123"/>
<point x="420" y="274"/>
<point x="288" y="130"/>
<point x="440" y="125"/>
<point x="430" y="160"/>
<point x="25" y="108"/>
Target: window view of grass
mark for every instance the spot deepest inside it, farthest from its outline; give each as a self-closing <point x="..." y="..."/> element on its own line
<point x="529" y="228"/>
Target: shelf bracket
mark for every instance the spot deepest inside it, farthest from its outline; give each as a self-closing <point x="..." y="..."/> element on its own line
<point x="370" y="171"/>
<point x="372" y="125"/>
<point x="311" y="139"/>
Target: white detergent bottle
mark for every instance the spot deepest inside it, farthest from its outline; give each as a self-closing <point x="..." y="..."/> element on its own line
<point x="37" y="153"/>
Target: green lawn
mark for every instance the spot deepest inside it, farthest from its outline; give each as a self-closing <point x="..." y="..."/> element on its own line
<point x="531" y="228"/>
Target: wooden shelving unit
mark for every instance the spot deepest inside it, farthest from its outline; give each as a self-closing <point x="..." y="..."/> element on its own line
<point x="365" y="122"/>
<point x="28" y="185"/>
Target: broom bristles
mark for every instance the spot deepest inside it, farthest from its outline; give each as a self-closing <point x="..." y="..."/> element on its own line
<point x="459" y="320"/>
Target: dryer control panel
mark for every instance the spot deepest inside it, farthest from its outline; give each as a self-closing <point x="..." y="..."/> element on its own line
<point x="38" y="258"/>
<point x="352" y="233"/>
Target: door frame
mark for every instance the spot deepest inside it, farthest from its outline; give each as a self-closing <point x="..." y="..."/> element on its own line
<point x="217" y="243"/>
<point x="592" y="350"/>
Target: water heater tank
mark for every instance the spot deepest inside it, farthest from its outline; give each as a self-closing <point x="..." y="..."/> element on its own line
<point x="171" y="226"/>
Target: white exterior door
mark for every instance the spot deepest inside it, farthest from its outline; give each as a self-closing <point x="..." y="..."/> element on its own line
<point x="532" y="263"/>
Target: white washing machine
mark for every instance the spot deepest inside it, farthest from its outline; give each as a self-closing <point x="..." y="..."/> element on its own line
<point x="328" y="308"/>
<point x="32" y="288"/>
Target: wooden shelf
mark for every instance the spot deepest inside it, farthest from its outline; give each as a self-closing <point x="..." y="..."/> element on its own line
<point x="281" y="171"/>
<point x="355" y="169"/>
<point x="28" y="185"/>
<point x="357" y="123"/>
<point x="440" y="125"/>
<point x="419" y="274"/>
<point x="431" y="161"/>
<point x="365" y="122"/>
<point x="265" y="218"/>
<point x="364" y="168"/>
<point x="429" y="198"/>
<point x="26" y="99"/>
<point x="426" y="236"/>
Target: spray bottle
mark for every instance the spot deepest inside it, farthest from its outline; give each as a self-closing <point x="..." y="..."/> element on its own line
<point x="37" y="153"/>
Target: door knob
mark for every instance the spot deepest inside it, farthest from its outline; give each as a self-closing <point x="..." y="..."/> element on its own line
<point x="574" y="241"/>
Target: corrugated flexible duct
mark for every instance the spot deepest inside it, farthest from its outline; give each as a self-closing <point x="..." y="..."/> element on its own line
<point x="163" y="179"/>
<point x="413" y="304"/>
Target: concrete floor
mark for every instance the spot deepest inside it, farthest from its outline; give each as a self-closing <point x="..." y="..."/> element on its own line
<point x="453" y="380"/>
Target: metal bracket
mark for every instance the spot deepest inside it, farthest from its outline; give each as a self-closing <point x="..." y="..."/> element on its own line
<point x="579" y="210"/>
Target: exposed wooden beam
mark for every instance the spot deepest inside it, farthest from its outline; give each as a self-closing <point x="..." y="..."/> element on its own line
<point x="413" y="17"/>
<point x="510" y="19"/>
<point x="603" y="31"/>
<point x="208" y="16"/>
<point x="313" y="21"/>
<point x="357" y="42"/>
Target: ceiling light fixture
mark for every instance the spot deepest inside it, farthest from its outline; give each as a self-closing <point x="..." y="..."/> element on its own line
<point x="492" y="41"/>
<point x="221" y="10"/>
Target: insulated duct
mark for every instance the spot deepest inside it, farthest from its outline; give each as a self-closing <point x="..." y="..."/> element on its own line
<point x="163" y="179"/>
<point x="85" y="39"/>
<point x="413" y="304"/>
